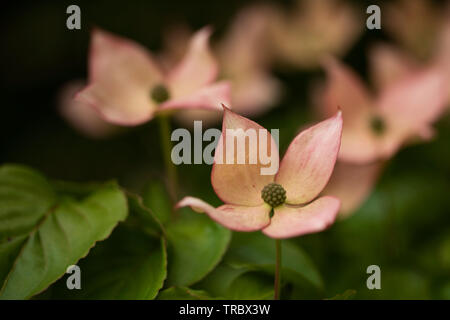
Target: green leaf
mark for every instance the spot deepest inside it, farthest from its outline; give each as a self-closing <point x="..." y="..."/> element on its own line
<point x="42" y="233"/>
<point x="130" y="264"/>
<point x="257" y="252"/>
<point x="196" y="245"/>
<point x="183" y="293"/>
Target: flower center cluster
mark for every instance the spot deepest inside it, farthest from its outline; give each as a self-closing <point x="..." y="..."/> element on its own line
<point x="160" y="93"/>
<point x="377" y="125"/>
<point x="273" y="194"/>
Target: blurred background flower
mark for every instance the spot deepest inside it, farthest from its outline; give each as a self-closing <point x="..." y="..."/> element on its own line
<point x="377" y="126"/>
<point x="388" y="65"/>
<point x="407" y="102"/>
<point x="245" y="59"/>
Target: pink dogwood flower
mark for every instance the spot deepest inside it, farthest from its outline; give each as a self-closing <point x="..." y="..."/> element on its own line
<point x="127" y="86"/>
<point x="388" y="65"/>
<point x="352" y="184"/>
<point x="376" y="127"/>
<point x="423" y="29"/>
<point x="291" y="192"/>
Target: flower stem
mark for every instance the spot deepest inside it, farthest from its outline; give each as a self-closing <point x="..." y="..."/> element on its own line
<point x="166" y="144"/>
<point x="276" y="286"/>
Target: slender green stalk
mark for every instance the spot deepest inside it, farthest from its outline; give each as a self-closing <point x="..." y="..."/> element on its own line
<point x="166" y="144"/>
<point x="276" y="286"/>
